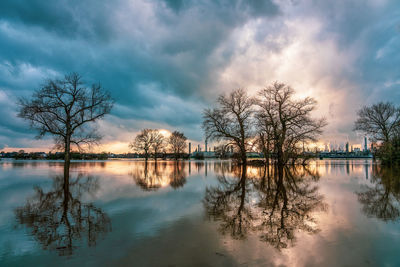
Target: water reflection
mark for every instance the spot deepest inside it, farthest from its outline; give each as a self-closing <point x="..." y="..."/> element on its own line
<point x="273" y="202"/>
<point x="229" y="203"/>
<point x="151" y="176"/>
<point x="382" y="199"/>
<point x="59" y="220"/>
<point x="273" y="213"/>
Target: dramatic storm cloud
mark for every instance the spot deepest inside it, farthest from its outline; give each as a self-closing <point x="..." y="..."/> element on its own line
<point x="164" y="61"/>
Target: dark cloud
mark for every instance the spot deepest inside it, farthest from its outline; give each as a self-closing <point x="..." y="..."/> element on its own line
<point x="67" y="18"/>
<point x="260" y="7"/>
<point x="175" y="5"/>
<point x="156" y="63"/>
<point x="163" y="60"/>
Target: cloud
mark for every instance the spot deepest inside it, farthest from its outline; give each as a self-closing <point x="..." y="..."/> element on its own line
<point x="164" y="61"/>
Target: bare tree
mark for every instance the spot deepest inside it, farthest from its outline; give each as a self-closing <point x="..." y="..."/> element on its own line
<point x="264" y="137"/>
<point x="222" y="150"/>
<point x="380" y="121"/>
<point x="143" y="142"/>
<point x="290" y="120"/>
<point x="177" y="142"/>
<point x="66" y="109"/>
<point x="231" y="121"/>
<point x="158" y="142"/>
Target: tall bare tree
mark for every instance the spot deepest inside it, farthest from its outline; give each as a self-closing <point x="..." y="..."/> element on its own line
<point x="231" y="120"/>
<point x="177" y="143"/>
<point x="264" y="137"/>
<point x="290" y="120"/>
<point x="66" y="108"/>
<point x="222" y="150"/>
<point x="158" y="142"/>
<point x="143" y="142"/>
<point x="380" y="121"/>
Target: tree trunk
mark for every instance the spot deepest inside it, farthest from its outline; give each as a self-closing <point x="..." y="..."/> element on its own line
<point x="243" y="155"/>
<point x="280" y="155"/>
<point x="67" y="159"/>
<point x="266" y="153"/>
<point x="65" y="212"/>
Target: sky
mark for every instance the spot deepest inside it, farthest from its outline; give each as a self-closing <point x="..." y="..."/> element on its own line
<point x="165" y="61"/>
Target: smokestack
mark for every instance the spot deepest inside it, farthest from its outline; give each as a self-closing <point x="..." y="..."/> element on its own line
<point x="190" y="148"/>
<point x="205" y="146"/>
<point x="365" y="144"/>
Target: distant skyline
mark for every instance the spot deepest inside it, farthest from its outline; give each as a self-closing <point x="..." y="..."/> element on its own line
<point x="165" y="61"/>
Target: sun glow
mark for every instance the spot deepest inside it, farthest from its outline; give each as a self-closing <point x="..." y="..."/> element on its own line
<point x="164" y="132"/>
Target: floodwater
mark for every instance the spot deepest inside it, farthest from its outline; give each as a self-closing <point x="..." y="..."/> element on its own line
<point x="198" y="213"/>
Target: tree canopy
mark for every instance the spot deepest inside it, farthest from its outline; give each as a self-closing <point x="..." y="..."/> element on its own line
<point x="380" y="121"/>
<point x="66" y="108"/>
<point x="231" y="120"/>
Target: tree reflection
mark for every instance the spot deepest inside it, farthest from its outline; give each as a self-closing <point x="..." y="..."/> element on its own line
<point x="177" y="177"/>
<point x="287" y="204"/>
<point x="272" y="202"/>
<point x="151" y="176"/>
<point x="229" y="203"/>
<point x="59" y="220"/>
<point x="382" y="199"/>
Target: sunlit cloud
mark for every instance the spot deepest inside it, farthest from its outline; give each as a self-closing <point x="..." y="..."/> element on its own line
<point x="165" y="62"/>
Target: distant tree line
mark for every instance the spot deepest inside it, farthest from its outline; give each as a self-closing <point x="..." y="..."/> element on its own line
<point x="381" y="122"/>
<point x="273" y="122"/>
<point x="80" y="156"/>
<point x="60" y="156"/>
<point x="151" y="142"/>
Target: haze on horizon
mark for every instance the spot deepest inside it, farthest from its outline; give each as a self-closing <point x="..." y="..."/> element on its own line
<point x="165" y="61"/>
